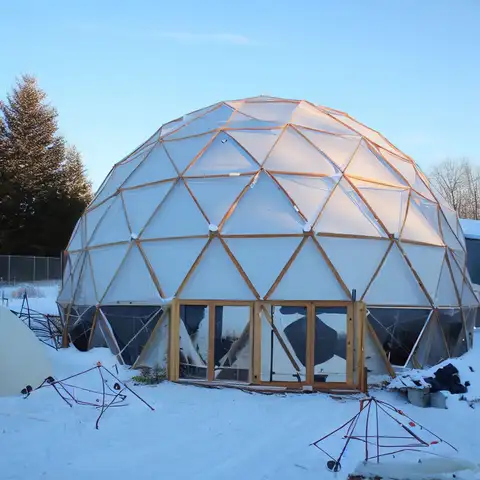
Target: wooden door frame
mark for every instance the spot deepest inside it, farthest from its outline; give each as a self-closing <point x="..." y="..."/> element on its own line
<point x="356" y="312"/>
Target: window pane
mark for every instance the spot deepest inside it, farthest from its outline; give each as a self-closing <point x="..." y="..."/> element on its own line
<point x="132" y="326"/>
<point x="232" y="343"/>
<point x="330" y="348"/>
<point x="397" y="330"/>
<point x="452" y="326"/>
<point x="284" y="344"/>
<point x="194" y="333"/>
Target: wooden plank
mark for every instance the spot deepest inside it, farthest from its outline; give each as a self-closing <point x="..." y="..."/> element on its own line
<point x="350" y="343"/>
<point x="174" y="342"/>
<point x="257" y="344"/>
<point x="360" y="311"/>
<point x="211" y="342"/>
<point x="92" y="331"/>
<point x="310" y="354"/>
<point x="224" y="303"/>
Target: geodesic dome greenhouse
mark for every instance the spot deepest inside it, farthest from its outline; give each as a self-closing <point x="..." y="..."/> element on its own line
<point x="270" y="242"/>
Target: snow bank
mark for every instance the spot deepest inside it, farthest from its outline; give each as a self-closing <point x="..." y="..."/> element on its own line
<point x="196" y="433"/>
<point x="468" y="367"/>
<point x="42" y="297"/>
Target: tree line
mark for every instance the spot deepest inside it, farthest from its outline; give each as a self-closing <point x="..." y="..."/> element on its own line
<point x="43" y="184"/>
<point x="458" y="180"/>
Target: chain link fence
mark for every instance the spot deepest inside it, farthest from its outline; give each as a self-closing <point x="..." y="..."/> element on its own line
<point x="19" y="269"/>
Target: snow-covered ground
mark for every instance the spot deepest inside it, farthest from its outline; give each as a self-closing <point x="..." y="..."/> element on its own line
<point x="41" y="297"/>
<point x="199" y="434"/>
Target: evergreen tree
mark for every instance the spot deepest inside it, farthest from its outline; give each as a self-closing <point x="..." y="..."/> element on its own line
<point x="43" y="186"/>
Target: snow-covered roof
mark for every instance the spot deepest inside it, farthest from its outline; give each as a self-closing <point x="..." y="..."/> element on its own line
<point x="471" y="228"/>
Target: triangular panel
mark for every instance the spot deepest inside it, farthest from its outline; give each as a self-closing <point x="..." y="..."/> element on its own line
<point x="366" y="164"/>
<point x="395" y="283"/>
<point x="216" y="277"/>
<point x="468" y="296"/>
<point x="368" y="133"/>
<point x="294" y="154"/>
<point x="427" y="262"/>
<point x="420" y="186"/>
<point x="155" y="168"/>
<point x="119" y="174"/>
<point x="309" y="194"/>
<point x="77" y="242"/>
<point x="431" y="349"/>
<point x="356" y="260"/>
<point x="207" y="122"/>
<point x="216" y="195"/>
<point x="182" y="152"/>
<point x="448" y="236"/>
<point x="257" y="143"/>
<point x="309" y="277"/>
<point x="262" y="259"/>
<point x="338" y="148"/>
<point x="456" y="272"/>
<point x="85" y="289"/>
<point x="308" y="116"/>
<point x="388" y="203"/>
<point x="92" y="217"/>
<point x="429" y="210"/>
<point x="403" y="166"/>
<point x="264" y="209"/>
<point x="132" y="282"/>
<point x="374" y="361"/>
<point x="418" y="228"/>
<point x="113" y="226"/>
<point x="171" y="260"/>
<point x="105" y="263"/>
<point x="345" y="213"/>
<point x="278" y="112"/>
<point x="223" y="156"/>
<point x="446" y="295"/>
<point x="71" y="275"/>
<point x="178" y="216"/>
<point x="140" y="203"/>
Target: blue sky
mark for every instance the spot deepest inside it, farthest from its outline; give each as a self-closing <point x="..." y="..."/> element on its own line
<point x="117" y="70"/>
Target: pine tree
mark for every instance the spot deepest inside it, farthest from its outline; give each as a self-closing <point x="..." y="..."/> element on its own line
<point x="43" y="187"/>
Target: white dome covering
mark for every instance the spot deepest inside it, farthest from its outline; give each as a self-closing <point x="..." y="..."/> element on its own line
<point x="267" y="198"/>
<point x="23" y="358"/>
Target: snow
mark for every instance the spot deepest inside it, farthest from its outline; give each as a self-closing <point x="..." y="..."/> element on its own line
<point x="198" y="433"/>
<point x="41" y="297"/>
<point x="471" y="228"/>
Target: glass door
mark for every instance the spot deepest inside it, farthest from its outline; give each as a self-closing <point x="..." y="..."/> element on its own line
<point x="330" y="346"/>
<point x="232" y="343"/>
<point x="284" y="343"/>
